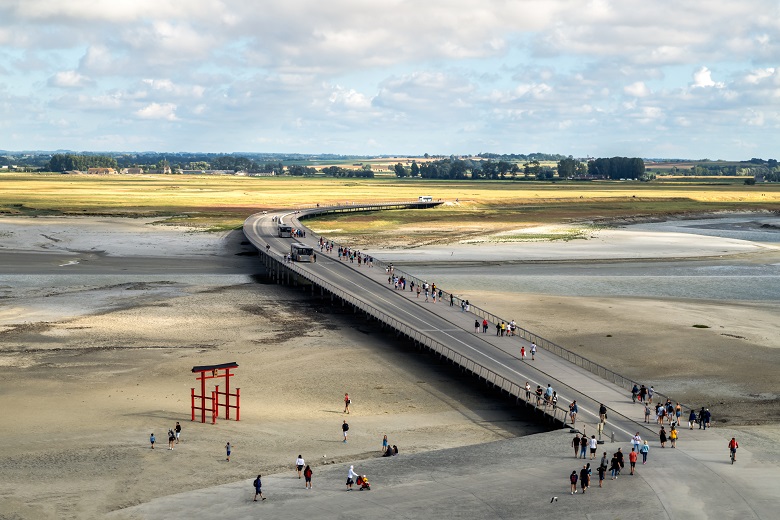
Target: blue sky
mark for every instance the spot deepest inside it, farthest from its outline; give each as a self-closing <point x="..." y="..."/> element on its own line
<point x="587" y="78"/>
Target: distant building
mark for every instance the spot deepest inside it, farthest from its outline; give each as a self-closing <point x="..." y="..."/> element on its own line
<point x="100" y="171"/>
<point x="133" y="171"/>
<point x="165" y="170"/>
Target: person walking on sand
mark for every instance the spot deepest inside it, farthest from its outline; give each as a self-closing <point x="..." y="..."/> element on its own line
<point x="307" y="476"/>
<point x="151" y="440"/>
<point x="345" y="429"/>
<point x="177" y="430"/>
<point x="228" y="449"/>
<point x="573" y="481"/>
<point x="351" y="476"/>
<point x="299" y="464"/>
<point x="644" y="450"/>
<point x="171" y="439"/>
<point x="533" y="351"/>
<point x="347" y="402"/>
<point x="384" y="444"/>
<point x="258" y="488"/>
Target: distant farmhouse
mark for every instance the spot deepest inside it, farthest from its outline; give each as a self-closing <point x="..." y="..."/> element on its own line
<point x="133" y="171"/>
<point x="101" y="171"/>
<point x="165" y="169"/>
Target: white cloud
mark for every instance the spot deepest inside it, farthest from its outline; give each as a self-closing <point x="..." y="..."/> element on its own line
<point x="166" y="111"/>
<point x="637" y="89"/>
<point x="703" y="78"/>
<point x="69" y="79"/>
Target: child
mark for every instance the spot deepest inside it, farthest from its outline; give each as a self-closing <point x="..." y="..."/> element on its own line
<point x="151" y="440"/>
<point x="573" y="479"/>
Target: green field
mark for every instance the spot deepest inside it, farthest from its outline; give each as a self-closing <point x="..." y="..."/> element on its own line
<point x="223" y="202"/>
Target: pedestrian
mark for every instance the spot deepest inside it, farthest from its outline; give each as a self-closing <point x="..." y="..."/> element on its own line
<point x="484" y="326"/>
<point x="548" y="395"/>
<point x="691" y="419"/>
<point x="594" y="444"/>
<point x="573" y="411"/>
<point x="345" y="429"/>
<point x="619" y="455"/>
<point x="522" y="353"/>
<point x="644" y="450"/>
<point x="533" y="351"/>
<point x="228" y="450"/>
<point x="602" y="472"/>
<point x="452" y="300"/>
<point x="299" y="464"/>
<point x="573" y="481"/>
<point x="498" y="329"/>
<point x="503" y="329"/>
<point x="707" y="417"/>
<point x="636" y="442"/>
<point x="650" y="392"/>
<point x="634" y="393"/>
<point x="584" y="478"/>
<point x="177" y="430"/>
<point x="584" y="447"/>
<point x="662" y="435"/>
<point x="384" y="444"/>
<point x="642" y="393"/>
<point x="602" y="413"/>
<point x="576" y="444"/>
<point x="678" y="412"/>
<point x="476" y="326"/>
<point x="418" y="291"/>
<point x="347" y="402"/>
<point x="151" y="440"/>
<point x="307" y="476"/>
<point x="351" y="476"/>
<point x="632" y="460"/>
<point x="673" y="436"/>
<point x="554" y="400"/>
<point x="258" y="484"/>
<point x="171" y="439"/>
<point x="539" y="393"/>
<point x="647" y="413"/>
<point x="527" y="392"/>
<point x="614" y="467"/>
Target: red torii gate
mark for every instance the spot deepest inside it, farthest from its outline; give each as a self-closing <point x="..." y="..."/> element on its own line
<point x="215" y="372"/>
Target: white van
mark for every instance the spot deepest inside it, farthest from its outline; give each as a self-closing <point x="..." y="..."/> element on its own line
<point x="425" y="198"/>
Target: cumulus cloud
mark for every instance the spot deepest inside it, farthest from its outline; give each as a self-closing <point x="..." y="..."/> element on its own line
<point x="166" y="111"/>
<point x="703" y="78"/>
<point x="69" y="79"/>
<point x="637" y="89"/>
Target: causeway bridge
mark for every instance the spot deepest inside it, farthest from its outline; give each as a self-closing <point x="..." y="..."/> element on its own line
<point x="447" y="330"/>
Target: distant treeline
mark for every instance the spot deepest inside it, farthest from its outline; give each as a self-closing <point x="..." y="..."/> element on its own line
<point x="66" y="162"/>
<point x="567" y="168"/>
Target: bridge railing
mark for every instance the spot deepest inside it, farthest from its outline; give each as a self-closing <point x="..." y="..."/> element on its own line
<point x="507" y="385"/>
<point x="581" y="361"/>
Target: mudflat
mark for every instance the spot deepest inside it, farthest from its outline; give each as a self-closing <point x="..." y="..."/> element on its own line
<point x="102" y="320"/>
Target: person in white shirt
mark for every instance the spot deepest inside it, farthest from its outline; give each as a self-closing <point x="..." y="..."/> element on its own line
<point x="351" y="477"/>
<point x="636" y="442"/>
<point x="594" y="444"/>
<point x="299" y="464"/>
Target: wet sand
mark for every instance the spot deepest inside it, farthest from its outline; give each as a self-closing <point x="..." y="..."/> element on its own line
<point x="101" y="321"/>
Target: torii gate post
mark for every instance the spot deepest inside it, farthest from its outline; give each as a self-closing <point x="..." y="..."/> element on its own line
<point x="213" y="372"/>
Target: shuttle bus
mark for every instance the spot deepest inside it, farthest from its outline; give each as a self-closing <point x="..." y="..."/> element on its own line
<point x="285" y="231"/>
<point x="301" y="252"/>
<point x="425" y="198"/>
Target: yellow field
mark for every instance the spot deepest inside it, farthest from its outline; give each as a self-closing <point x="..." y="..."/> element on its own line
<point x="221" y="202"/>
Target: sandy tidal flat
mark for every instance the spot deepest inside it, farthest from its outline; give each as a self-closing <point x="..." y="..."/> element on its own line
<point x="101" y="321"/>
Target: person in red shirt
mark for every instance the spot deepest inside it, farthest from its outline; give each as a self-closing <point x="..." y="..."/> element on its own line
<point x="733" y="445"/>
<point x="632" y="459"/>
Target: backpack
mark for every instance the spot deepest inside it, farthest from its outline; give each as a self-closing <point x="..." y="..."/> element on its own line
<point x="254" y="484"/>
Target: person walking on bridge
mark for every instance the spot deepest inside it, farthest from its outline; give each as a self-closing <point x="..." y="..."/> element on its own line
<point x="573" y="409"/>
<point x="476" y="326"/>
<point x="484" y="326"/>
<point x="533" y="351"/>
<point x="522" y="353"/>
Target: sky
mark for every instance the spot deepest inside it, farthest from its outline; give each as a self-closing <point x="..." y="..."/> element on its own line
<point x="654" y="79"/>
